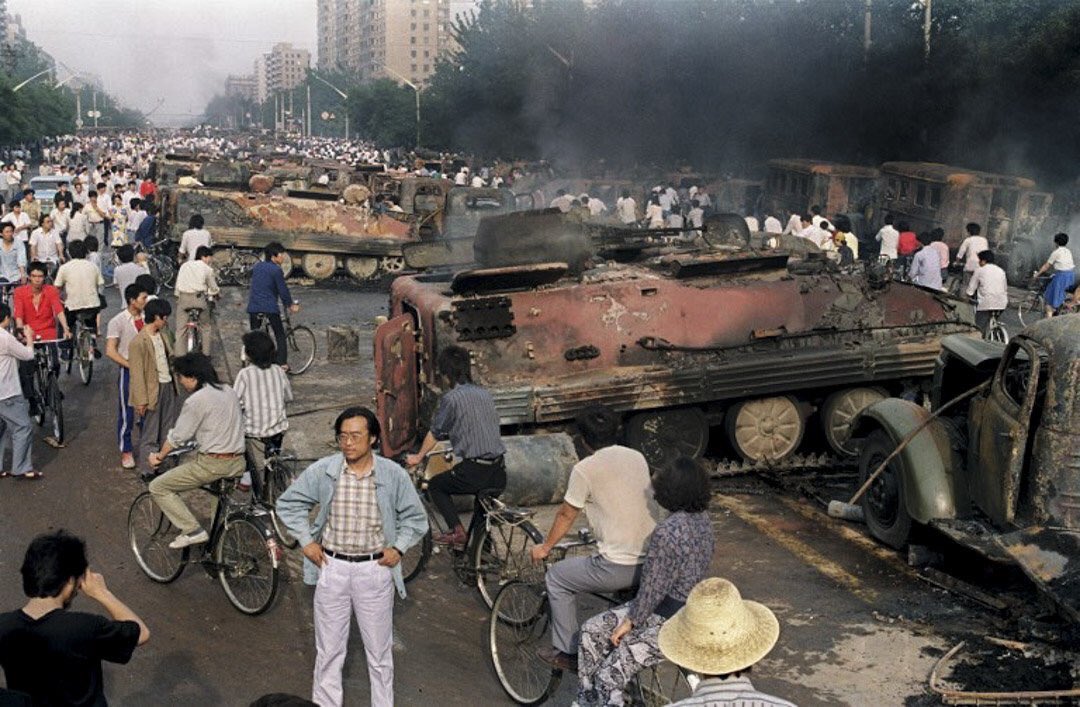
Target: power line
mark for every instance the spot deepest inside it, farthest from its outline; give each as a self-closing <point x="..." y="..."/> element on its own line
<point x="155" y="37"/>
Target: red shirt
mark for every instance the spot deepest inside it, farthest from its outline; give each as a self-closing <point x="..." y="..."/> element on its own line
<point x="146" y="189"/>
<point x="43" y="319"/>
<point x="907" y="243"/>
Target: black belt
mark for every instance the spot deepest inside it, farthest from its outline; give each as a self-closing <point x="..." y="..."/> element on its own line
<point x="486" y="462"/>
<point x="354" y="558"/>
<point x="668" y="606"/>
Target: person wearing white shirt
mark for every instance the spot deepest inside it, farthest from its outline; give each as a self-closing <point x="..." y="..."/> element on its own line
<point x="888" y="237"/>
<point x="654" y="212"/>
<point x="462" y="177"/>
<point x="667" y="201"/>
<point x="772" y="225"/>
<point x="61" y="216"/>
<point x="969" y="250"/>
<point x="78" y="193"/>
<point x="195" y="286"/>
<point x="14" y="407"/>
<point x="477" y="182"/>
<point x="1062" y="264"/>
<point x="12" y="255"/>
<point x="695" y="217"/>
<point x="80" y="280"/>
<point x="17" y="218"/>
<point x="562" y="201"/>
<point x="136" y="214"/>
<point x="194" y="238"/>
<point x="626" y="208"/>
<point x="45" y="244"/>
<point x="596" y="207"/>
<point x="815" y="215"/>
<point x="78" y="225"/>
<point x="794" y="225"/>
<point x="990" y="286"/>
<point x="751" y="223"/>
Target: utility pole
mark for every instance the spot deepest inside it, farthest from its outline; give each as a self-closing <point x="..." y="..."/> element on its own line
<point x="309" y="109"/>
<point x="78" y="109"/>
<point x="926" y="30"/>
<point x="867" y="21"/>
<point x="95" y="108"/>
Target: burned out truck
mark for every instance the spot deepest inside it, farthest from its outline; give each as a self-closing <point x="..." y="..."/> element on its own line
<point x="679" y="340"/>
<point x="1001" y="471"/>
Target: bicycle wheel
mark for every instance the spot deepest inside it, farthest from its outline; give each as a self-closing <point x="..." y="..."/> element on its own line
<point x="1030" y="310"/>
<point x="164" y="271"/>
<point x="85" y="354"/>
<point x="149" y="534"/>
<point x="280" y="473"/>
<point x="243" y="263"/>
<point x="500" y="554"/>
<point x="416" y="558"/>
<point x="518" y="626"/>
<point x="247" y="564"/>
<point x="301" y="347"/>
<point x="193" y="339"/>
<point x="56" y="407"/>
<point x="659" y="685"/>
<point x="996" y="332"/>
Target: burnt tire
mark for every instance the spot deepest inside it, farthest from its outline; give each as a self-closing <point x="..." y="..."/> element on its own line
<point x="662" y="436"/>
<point x="726" y="229"/>
<point x="883" y="503"/>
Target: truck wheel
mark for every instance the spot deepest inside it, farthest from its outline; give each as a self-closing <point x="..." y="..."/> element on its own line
<point x="840" y="410"/>
<point x="883" y="503"/>
<point x="665" y="435"/>
<point x="318" y="266"/>
<point x="767" y="429"/>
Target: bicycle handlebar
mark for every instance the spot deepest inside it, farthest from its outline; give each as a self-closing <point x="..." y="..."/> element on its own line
<point x="42" y="342"/>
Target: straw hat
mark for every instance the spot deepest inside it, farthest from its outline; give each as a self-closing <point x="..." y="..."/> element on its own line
<point x="718" y="632"/>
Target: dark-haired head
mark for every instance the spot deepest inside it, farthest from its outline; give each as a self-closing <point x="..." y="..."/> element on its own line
<point x="51" y="561"/>
<point x="5" y="313"/>
<point x="125" y="253"/>
<point x="888" y="219"/>
<point x="903" y="226"/>
<point x="682" y="486"/>
<point x="924" y="238"/>
<point x="973" y="229"/>
<point x="92" y="244"/>
<point x="259" y="348"/>
<point x="77" y="249"/>
<point x="273" y="249"/>
<point x="372" y="421"/>
<point x="986" y="256"/>
<point x="598" y="426"/>
<point x="1061" y="239"/>
<point x="37" y="266"/>
<point x="197" y="365"/>
<point x="148" y="283"/>
<point x="455" y="365"/>
<point x="156" y="309"/>
<point x="196" y="221"/>
<point x="133" y="292"/>
<point x="938" y="234"/>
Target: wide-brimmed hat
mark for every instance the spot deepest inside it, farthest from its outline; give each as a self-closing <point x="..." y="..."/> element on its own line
<point x="717" y="631"/>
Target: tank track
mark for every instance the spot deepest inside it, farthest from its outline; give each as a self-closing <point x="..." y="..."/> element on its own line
<point x="796" y="462"/>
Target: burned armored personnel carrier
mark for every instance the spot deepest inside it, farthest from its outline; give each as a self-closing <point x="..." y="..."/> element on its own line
<point x="681" y="337"/>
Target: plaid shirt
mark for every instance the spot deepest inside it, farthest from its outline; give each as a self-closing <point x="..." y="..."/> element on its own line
<point x="354" y="526"/>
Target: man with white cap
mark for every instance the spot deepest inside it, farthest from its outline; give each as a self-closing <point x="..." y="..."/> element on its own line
<point x="719" y="635"/>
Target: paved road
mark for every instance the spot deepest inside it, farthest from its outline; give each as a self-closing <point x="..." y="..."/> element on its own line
<point x="858" y="627"/>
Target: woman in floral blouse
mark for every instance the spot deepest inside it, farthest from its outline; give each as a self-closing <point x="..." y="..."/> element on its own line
<point x="618" y="643"/>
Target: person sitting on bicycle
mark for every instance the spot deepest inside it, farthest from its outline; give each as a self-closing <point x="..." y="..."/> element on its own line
<point x="12" y="256"/>
<point x="128" y="270"/>
<point x="14" y="405"/>
<point x="38" y="306"/>
<point x="613" y="485"/>
<point x="1061" y="261"/>
<point x="267" y="287"/>
<point x="212" y="418"/>
<point x="264" y="391"/>
<point x="194" y="238"/>
<point x="989" y="284"/>
<point x="618" y="643"/>
<point x="195" y="286"/>
<point x="466" y="416"/>
<point x="81" y="279"/>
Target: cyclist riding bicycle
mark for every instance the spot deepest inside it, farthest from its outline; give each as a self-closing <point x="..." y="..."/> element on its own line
<point x="466" y="416"/>
<point x="267" y="287"/>
<point x="80" y="280"/>
<point x="12" y="256"/>
<point x="38" y="306"/>
<point x="195" y="287"/>
<point x="988" y="282"/>
<point x="1061" y="262"/>
<point x="264" y="391"/>
<point x="212" y="418"/>
<point x="614" y="488"/>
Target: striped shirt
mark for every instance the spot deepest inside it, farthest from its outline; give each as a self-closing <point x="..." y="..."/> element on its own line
<point x="354" y="525"/>
<point x="263" y="394"/>
<point x="467" y="417"/>
<point x="732" y="692"/>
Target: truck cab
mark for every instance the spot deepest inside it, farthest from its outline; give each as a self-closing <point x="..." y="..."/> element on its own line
<point x="1000" y="470"/>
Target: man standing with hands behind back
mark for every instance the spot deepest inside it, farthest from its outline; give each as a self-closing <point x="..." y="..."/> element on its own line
<point x="369" y="514"/>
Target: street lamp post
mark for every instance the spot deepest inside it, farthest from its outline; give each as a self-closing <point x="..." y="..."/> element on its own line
<point x="416" y="89"/>
<point x="37" y="75"/>
<point x="338" y="91"/>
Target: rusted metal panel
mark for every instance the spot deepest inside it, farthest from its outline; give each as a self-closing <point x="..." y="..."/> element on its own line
<point x="1051" y="558"/>
<point x="396" y="384"/>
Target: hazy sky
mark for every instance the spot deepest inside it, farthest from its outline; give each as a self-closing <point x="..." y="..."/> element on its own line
<point x="178" y="51"/>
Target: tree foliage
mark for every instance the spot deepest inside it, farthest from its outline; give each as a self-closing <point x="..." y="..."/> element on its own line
<point x="726" y="84"/>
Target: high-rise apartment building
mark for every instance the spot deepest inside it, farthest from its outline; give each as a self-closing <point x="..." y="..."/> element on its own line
<point x="241" y="86"/>
<point x="281" y="69"/>
<point x="398" y="39"/>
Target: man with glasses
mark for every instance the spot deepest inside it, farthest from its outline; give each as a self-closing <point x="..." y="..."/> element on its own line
<point x="369" y="514"/>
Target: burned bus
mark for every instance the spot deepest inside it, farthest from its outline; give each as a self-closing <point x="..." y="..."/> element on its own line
<point x="793" y="186"/>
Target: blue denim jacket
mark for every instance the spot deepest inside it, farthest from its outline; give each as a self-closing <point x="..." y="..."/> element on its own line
<point x="404" y="519"/>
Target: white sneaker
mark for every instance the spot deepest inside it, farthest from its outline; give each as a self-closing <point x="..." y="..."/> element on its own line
<point x="184" y="539"/>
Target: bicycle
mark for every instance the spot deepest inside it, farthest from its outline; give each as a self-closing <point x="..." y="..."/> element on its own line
<point x="84" y="341"/>
<point x="497" y="545"/>
<point x="193" y="329"/>
<point x="299" y="341"/>
<point x="995" y="330"/>
<point x="1032" y="308"/>
<point x="235" y="268"/>
<point x="162" y="263"/>
<point x="241" y="552"/>
<point x="278" y="472"/>
<point x="520" y="624"/>
<point x="46" y="399"/>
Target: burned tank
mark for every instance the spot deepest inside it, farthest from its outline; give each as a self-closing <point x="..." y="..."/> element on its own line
<point x="683" y="338"/>
<point x="321" y="233"/>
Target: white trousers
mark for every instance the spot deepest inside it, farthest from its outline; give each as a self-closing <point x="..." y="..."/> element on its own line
<point x="365" y="589"/>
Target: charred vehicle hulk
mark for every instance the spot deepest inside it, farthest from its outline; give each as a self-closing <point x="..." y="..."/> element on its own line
<point x="1000" y="473"/>
<point x="679" y="342"/>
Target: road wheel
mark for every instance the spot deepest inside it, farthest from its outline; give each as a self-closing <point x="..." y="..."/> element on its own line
<point x="318" y="266"/>
<point x="392" y="264"/>
<point x="767" y="429"/>
<point x="361" y="268"/>
<point x="840" y="410"/>
<point x="883" y="503"/>
<point x="665" y="435"/>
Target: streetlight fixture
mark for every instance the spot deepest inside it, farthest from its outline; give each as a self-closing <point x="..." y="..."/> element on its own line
<point x="35" y="76"/>
<point x="416" y="89"/>
<point x="338" y="91"/>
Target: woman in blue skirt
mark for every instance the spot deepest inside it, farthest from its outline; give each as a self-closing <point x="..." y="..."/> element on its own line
<point x="1061" y="260"/>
